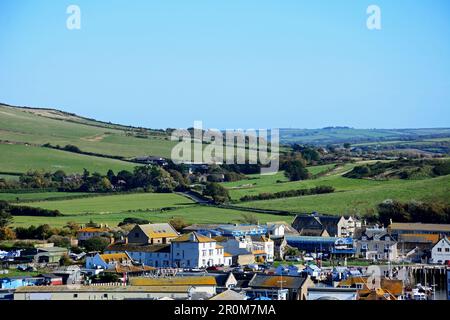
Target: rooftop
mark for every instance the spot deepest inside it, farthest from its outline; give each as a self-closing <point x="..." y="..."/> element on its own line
<point x="193" y="237"/>
<point x="420" y="227"/>
<point x="31" y="289"/>
<point x="175" y="281"/>
<point x="158" y="230"/>
<point x="139" y="248"/>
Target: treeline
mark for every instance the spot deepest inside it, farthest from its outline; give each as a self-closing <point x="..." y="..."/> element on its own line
<point x="14" y="210"/>
<point x="142" y="178"/>
<point x="288" y="193"/>
<point x="403" y="169"/>
<point x="425" y="212"/>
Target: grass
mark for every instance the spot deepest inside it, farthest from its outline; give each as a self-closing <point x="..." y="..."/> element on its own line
<point x="36" y="196"/>
<point x="21" y="158"/>
<point x="21" y="125"/>
<point x="357" y="196"/>
<point x="19" y="273"/>
<point x="107" y="204"/>
<point x="191" y="214"/>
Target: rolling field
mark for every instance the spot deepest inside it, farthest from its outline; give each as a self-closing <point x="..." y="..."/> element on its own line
<point x="191" y="214"/>
<point x="356" y="196"/>
<point x="21" y="158"/>
<point x="36" y="196"/>
<point x="108" y="204"/>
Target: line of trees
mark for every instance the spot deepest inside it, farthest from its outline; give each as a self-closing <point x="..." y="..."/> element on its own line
<point x="414" y="211"/>
<point x="288" y="193"/>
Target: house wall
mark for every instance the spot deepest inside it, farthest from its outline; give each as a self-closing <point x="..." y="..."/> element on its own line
<point x="136" y="235"/>
<point x="196" y="255"/>
<point x="440" y="252"/>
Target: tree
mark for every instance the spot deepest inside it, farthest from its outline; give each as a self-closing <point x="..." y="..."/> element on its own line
<point x="178" y="223"/>
<point x="96" y="244"/>
<point x="65" y="260"/>
<point x="217" y="192"/>
<point x="5" y="216"/>
<point x="7" y="233"/>
<point x="295" y="171"/>
<point x="249" y="218"/>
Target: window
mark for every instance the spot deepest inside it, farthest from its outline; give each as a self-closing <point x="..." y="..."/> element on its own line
<point x="439" y="250"/>
<point x="204" y="253"/>
<point x="136" y="234"/>
<point x="105" y="295"/>
<point x="75" y="295"/>
<point x="447" y="249"/>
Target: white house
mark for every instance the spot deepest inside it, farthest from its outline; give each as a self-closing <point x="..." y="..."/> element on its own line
<point x="156" y="255"/>
<point x="108" y="261"/>
<point x="193" y="250"/>
<point x="441" y="251"/>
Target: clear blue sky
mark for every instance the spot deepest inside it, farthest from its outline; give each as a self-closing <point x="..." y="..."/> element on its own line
<point x="231" y="63"/>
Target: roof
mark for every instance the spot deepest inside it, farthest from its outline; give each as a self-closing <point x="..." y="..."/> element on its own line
<point x="420" y="227"/>
<point x="115" y="257"/>
<point x="93" y="230"/>
<point x="30" y="289"/>
<point x="127" y="269"/>
<point x="260" y="238"/>
<point x="158" y="230"/>
<point x="193" y="237"/>
<point x="317" y="222"/>
<point x="226" y="254"/>
<point x="175" y="281"/>
<point x="139" y="248"/>
<point x="376" y="294"/>
<point x="198" y="227"/>
<point x="395" y="287"/>
<point x="229" y="295"/>
<point x="270" y="281"/>
<point x="419" y="237"/>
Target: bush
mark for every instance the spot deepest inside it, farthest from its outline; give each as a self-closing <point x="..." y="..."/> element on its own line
<point x="96" y="244"/>
<point x="133" y="221"/>
<point x="288" y="193"/>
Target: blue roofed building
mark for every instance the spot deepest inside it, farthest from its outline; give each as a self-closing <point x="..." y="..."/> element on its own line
<point x="325" y="245"/>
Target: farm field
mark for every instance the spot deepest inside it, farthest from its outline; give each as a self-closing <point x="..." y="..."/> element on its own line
<point x="191" y="214"/>
<point x="36" y="196"/>
<point x="357" y="196"/>
<point x="21" y="158"/>
<point x="261" y="184"/>
<point x="107" y="204"/>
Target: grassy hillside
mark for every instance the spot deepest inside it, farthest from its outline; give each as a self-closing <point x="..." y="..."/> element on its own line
<point x="191" y="214"/>
<point x="343" y="134"/>
<point x="356" y="195"/>
<point x="21" y="158"/>
<point x="107" y="204"/>
<point x="38" y="127"/>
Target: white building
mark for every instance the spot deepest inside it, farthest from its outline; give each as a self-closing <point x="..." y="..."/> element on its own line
<point x="156" y="255"/>
<point x="193" y="250"/>
<point x="108" y="261"/>
<point x="441" y="251"/>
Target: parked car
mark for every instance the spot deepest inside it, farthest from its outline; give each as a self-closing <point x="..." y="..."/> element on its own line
<point x="292" y="258"/>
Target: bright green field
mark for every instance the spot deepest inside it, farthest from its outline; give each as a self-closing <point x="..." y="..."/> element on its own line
<point x="261" y="184"/>
<point x="107" y="204"/>
<point x="39" y="195"/>
<point x="192" y="214"/>
<point x="21" y="158"/>
<point x="355" y="195"/>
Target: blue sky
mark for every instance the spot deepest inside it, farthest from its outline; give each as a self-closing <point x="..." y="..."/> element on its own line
<point x="231" y="63"/>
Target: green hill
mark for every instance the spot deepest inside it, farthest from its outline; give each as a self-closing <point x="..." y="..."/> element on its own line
<point x="41" y="126"/>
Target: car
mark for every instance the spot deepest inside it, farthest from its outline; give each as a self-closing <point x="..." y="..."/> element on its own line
<point x="292" y="258"/>
<point x="214" y="268"/>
